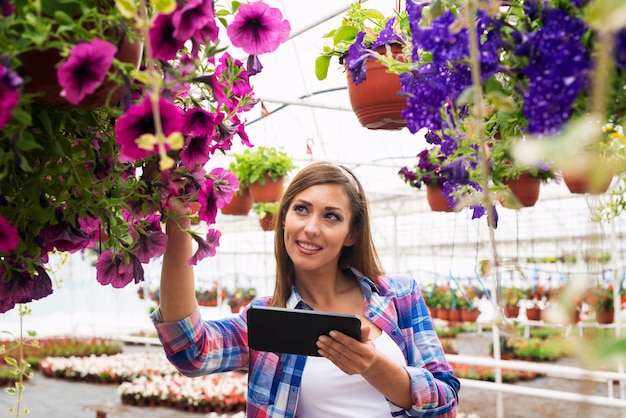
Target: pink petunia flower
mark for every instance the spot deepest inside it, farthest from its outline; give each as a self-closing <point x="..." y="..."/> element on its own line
<point x="225" y="184"/>
<point x="258" y="28"/>
<point x="206" y="247"/>
<point x="139" y="120"/>
<point x="111" y="269"/>
<point x="85" y="69"/>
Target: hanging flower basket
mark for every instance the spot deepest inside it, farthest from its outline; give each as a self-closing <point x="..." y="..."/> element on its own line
<point x="534" y="314"/>
<point x="525" y="188"/>
<point x="271" y="191"/>
<point x="511" y="311"/>
<point x="469" y="315"/>
<point x="240" y="204"/>
<point x="376" y="101"/>
<point x="267" y="222"/>
<point x="436" y="200"/>
<point x="581" y="182"/>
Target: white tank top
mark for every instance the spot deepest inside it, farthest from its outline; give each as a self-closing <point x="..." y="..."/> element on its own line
<point x="326" y="391"/>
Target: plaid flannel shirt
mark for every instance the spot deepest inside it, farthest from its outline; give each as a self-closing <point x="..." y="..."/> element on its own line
<point x="394" y="304"/>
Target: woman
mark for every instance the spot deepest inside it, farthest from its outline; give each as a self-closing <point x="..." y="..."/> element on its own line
<point x="326" y="261"/>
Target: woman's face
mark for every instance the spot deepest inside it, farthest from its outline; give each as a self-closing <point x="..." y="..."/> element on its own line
<point x="317" y="227"/>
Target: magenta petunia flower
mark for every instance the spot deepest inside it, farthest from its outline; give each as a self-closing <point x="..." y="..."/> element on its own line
<point x="22" y="288"/>
<point x="258" y="28"/>
<point x="208" y="200"/>
<point x="63" y="237"/>
<point x="152" y="243"/>
<point x="194" y="16"/>
<point x="139" y="120"/>
<point x="110" y="269"/>
<point x="9" y="94"/>
<point x="164" y="45"/>
<point x="85" y="69"/>
<point x="8" y="236"/>
<point x="225" y="184"/>
<point x="206" y="247"/>
<point x="199" y="122"/>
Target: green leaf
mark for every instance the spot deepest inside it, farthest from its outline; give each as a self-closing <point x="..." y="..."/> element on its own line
<point x="28" y="143"/>
<point x="345" y="34"/>
<point x="63" y="18"/>
<point x="44" y="118"/>
<point x="127" y="8"/>
<point x="22" y="116"/>
<point x="321" y="67"/>
<point x="164" y="6"/>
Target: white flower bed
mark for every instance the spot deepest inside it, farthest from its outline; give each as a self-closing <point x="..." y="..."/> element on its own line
<point x="149" y="379"/>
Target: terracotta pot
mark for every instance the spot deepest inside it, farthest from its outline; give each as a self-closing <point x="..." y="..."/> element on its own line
<point x="605" y="317"/>
<point x="580" y="182"/>
<point x="443" y="314"/>
<point x="267" y="222"/>
<point x="436" y="200"/>
<point x="511" y="311"/>
<point x="41" y="67"/>
<point x="271" y="191"/>
<point x="469" y="315"/>
<point x="455" y="315"/>
<point x="240" y="204"/>
<point x="376" y="101"/>
<point x="533" y="314"/>
<point x="235" y="309"/>
<point x="525" y="189"/>
<point x="434" y="312"/>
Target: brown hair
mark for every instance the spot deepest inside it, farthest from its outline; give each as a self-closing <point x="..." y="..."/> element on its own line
<point x="362" y="255"/>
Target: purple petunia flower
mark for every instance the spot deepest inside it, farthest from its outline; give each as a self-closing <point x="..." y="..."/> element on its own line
<point x="357" y="57"/>
<point x="6" y="7"/>
<point x="22" y="288"/>
<point x="192" y="17"/>
<point x="139" y="120"/>
<point x="9" y="94"/>
<point x="225" y="184"/>
<point x="388" y="35"/>
<point x="111" y="269"/>
<point x="258" y="28"/>
<point x="63" y="237"/>
<point x="85" y="69"/>
<point x="206" y="247"/>
<point x="165" y="45"/>
<point x="208" y="202"/>
<point x="151" y="241"/>
<point x="8" y="236"/>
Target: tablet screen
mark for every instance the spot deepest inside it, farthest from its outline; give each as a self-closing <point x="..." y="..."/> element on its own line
<point x="295" y="331"/>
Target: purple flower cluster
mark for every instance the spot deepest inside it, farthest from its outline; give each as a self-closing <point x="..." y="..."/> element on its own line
<point x="447" y="74"/>
<point x="557" y="71"/>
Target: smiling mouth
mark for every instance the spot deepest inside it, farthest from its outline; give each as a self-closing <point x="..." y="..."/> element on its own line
<point x="309" y="247"/>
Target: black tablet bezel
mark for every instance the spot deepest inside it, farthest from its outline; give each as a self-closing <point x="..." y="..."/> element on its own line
<point x="295" y="331"/>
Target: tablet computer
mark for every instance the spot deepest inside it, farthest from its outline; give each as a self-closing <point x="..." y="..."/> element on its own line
<point x="295" y="331"/>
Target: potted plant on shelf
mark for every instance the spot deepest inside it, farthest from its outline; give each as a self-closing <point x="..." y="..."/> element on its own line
<point x="264" y="170"/>
<point x="76" y="174"/>
<point x="511" y="297"/>
<point x="235" y="300"/>
<point x="267" y="214"/>
<point x="600" y="298"/>
<point x="374" y="92"/>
